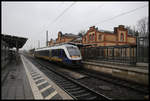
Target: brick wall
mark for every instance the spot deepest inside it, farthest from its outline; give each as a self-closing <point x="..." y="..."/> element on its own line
<point x="119" y="37"/>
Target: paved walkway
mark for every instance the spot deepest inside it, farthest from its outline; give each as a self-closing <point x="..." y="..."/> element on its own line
<point x="23" y="80"/>
<point x="15" y="84"/>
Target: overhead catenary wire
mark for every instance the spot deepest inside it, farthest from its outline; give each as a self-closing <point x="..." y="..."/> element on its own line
<point x="61" y="14"/>
<point x="124" y="13"/>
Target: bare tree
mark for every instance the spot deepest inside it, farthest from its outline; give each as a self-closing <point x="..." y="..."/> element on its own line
<point x="143" y="27"/>
<point x="131" y="30"/>
<point x="82" y="32"/>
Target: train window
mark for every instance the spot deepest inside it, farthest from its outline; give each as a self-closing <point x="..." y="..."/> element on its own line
<point x="54" y="52"/>
<point x="63" y="54"/>
<point x="73" y="51"/>
<point x="57" y="52"/>
<point x="50" y="53"/>
<point x="45" y="53"/>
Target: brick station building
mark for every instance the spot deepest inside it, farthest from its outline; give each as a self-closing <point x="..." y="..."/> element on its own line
<point x="67" y="37"/>
<point x="118" y="37"/>
<point x="97" y="37"/>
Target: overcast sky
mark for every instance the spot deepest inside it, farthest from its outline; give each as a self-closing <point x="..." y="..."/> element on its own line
<point x="32" y="19"/>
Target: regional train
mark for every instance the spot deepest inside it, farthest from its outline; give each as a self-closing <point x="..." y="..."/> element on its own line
<point x="66" y="54"/>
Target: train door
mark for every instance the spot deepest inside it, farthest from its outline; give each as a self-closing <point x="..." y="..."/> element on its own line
<point x="50" y="54"/>
<point x="64" y="57"/>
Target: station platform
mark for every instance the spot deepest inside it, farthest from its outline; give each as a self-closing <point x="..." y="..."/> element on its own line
<point x="22" y="80"/>
<point x="139" y="74"/>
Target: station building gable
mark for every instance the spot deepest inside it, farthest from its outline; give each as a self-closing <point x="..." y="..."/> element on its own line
<point x="107" y="38"/>
<point x="63" y="38"/>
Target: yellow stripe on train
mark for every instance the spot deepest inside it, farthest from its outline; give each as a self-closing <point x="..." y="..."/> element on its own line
<point x="50" y="58"/>
<point x="55" y="59"/>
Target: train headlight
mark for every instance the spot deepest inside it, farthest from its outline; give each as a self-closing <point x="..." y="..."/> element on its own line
<point x="74" y="56"/>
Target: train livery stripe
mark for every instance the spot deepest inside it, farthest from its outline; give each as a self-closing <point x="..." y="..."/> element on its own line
<point x="49" y="58"/>
<point x="55" y="59"/>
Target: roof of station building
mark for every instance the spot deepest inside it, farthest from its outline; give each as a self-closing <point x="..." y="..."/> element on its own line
<point x="14" y="41"/>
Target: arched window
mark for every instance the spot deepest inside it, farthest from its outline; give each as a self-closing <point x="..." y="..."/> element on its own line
<point x="121" y="37"/>
<point x="100" y="37"/>
<point x="90" y="37"/>
<point x="93" y="37"/>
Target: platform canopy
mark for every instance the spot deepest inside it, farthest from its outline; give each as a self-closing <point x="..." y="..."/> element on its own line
<point x="14" y="41"/>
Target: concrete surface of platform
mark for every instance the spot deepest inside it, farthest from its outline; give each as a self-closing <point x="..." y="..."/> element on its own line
<point x="22" y="80"/>
<point x="15" y="83"/>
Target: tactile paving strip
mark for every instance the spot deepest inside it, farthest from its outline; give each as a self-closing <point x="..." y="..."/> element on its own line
<point x="40" y="85"/>
<point x="44" y="87"/>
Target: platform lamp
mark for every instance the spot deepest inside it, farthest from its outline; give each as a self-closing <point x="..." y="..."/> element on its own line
<point x="137" y="34"/>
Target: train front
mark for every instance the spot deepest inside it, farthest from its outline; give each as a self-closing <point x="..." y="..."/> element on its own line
<point x="74" y="56"/>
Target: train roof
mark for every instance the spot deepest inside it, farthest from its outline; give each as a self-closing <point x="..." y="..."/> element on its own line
<point x="54" y="47"/>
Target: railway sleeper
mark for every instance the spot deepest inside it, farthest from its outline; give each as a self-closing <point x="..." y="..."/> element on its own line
<point x="82" y="96"/>
<point x="92" y="97"/>
<point x="64" y="82"/>
<point x="75" y="89"/>
<point x="60" y="82"/>
<point x="67" y="83"/>
<point x="78" y="91"/>
<point x="69" y="87"/>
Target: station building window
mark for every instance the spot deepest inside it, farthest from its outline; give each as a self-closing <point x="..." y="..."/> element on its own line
<point x="85" y="39"/>
<point x="93" y="37"/>
<point x="100" y="37"/>
<point x="121" y="37"/>
<point x="90" y="37"/>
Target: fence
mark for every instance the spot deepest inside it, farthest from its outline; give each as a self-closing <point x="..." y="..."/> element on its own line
<point x="122" y="54"/>
<point x="143" y="49"/>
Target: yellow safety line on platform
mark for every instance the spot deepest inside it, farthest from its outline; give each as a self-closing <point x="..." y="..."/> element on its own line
<point x="36" y="76"/>
<point x="38" y="79"/>
<point x="42" y="90"/>
<point x="62" y="93"/>
<point x="41" y="83"/>
<point x="51" y="95"/>
<point x="35" y="90"/>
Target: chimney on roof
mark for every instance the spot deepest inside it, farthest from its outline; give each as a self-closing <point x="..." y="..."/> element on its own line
<point x="96" y="28"/>
<point x="115" y="29"/>
<point x="59" y="32"/>
<point x="92" y="27"/>
<point x="121" y="26"/>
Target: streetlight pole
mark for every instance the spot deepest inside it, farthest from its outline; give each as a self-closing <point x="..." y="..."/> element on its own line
<point x="46" y="38"/>
<point x="38" y="43"/>
<point x="136" y="34"/>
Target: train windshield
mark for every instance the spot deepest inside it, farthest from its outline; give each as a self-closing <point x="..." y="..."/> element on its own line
<point x="73" y="51"/>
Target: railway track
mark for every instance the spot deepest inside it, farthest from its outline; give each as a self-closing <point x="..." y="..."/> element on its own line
<point x="76" y="91"/>
<point x="73" y="88"/>
<point x="117" y="81"/>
